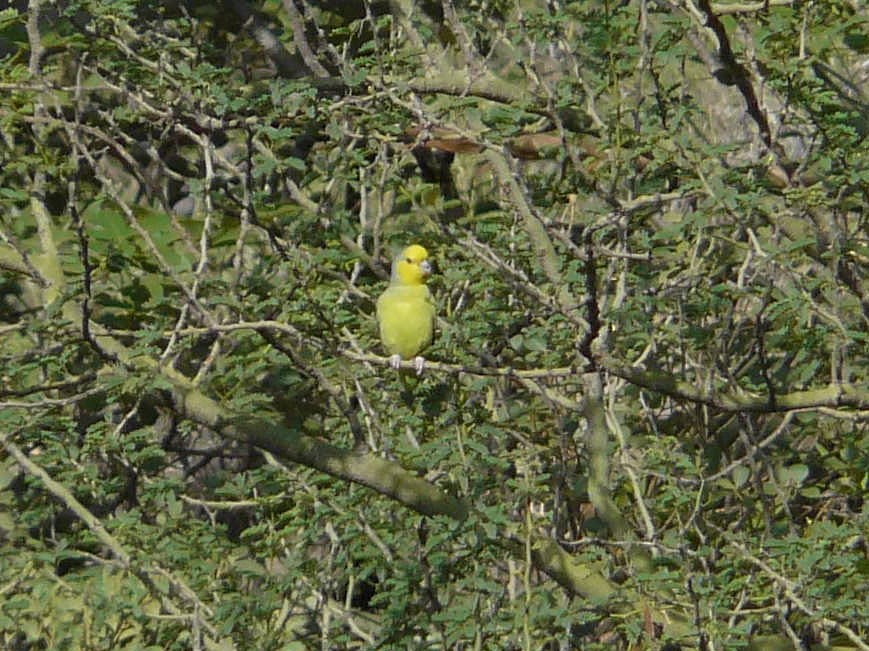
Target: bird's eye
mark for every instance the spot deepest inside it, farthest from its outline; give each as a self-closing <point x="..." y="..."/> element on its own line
<point x="409" y="261"/>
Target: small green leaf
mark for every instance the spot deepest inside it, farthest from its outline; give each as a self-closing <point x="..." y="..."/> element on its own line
<point x="740" y="475"/>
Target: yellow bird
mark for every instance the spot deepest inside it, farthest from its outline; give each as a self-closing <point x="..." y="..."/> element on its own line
<point x="405" y="310"/>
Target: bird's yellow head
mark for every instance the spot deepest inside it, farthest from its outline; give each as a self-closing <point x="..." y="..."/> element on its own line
<point x="411" y="267"/>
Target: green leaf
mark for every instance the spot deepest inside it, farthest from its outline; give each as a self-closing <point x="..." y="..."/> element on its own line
<point x="740" y="475"/>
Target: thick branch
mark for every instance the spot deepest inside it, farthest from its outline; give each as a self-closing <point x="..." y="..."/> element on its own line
<point x="832" y="395"/>
<point x="383" y="476"/>
<point x="734" y="73"/>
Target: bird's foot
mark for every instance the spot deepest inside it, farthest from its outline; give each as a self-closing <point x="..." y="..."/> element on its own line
<point x="419" y="364"/>
<point x="395" y="361"/>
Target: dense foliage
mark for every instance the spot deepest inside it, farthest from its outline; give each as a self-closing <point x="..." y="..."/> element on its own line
<point x="644" y="423"/>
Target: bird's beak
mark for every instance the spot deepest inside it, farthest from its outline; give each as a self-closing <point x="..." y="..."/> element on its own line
<point x="425" y="266"/>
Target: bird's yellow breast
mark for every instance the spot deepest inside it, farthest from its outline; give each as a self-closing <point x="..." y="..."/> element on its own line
<point x="406" y="316"/>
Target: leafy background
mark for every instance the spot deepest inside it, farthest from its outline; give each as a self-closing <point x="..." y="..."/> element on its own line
<point x="644" y="419"/>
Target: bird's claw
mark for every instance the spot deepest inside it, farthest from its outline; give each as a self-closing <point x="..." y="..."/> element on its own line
<point x="395" y="361"/>
<point x="419" y="364"/>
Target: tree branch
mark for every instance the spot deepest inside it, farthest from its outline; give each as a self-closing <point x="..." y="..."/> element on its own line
<point x="832" y="395"/>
